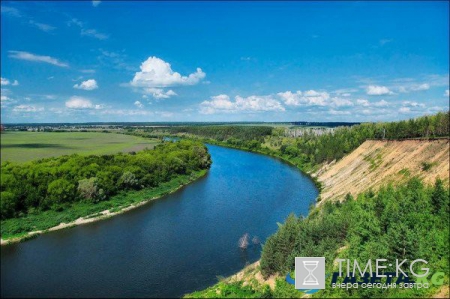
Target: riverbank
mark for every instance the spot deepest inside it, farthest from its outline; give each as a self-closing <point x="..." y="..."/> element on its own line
<point x="422" y="158"/>
<point x="249" y="282"/>
<point x="21" y="229"/>
<point x="307" y="170"/>
<point x="238" y="195"/>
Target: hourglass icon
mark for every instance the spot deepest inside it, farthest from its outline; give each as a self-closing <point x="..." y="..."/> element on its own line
<point x="310" y="279"/>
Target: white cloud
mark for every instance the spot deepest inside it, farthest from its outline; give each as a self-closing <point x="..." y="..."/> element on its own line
<point x="385" y="41"/>
<point x="88" y="71"/>
<point x="5" y="82"/>
<point x="404" y="110"/>
<point x="376" y="90"/>
<point x="363" y="102"/>
<point x="338" y="112"/>
<point x="75" y="22"/>
<point x="5" y="98"/>
<point x="90" y="84"/>
<point x="38" y="58"/>
<point x="381" y="103"/>
<point x="413" y="87"/>
<point x="27" y="108"/>
<point x="10" y="11"/>
<point x="340" y="102"/>
<point x="290" y="98"/>
<point x="87" y="31"/>
<point x="437" y="80"/>
<point x="222" y="103"/>
<point x="406" y="85"/>
<point x="96" y="3"/>
<point x="58" y="110"/>
<point x="345" y="92"/>
<point x="159" y="93"/>
<point x="138" y="104"/>
<point x="76" y="102"/>
<point x="308" y="98"/>
<point x="94" y="33"/>
<point x="219" y="102"/>
<point x="413" y="104"/>
<point x="124" y="112"/>
<point x="446" y="93"/>
<point x="77" y="79"/>
<point x="41" y="26"/>
<point x="258" y="103"/>
<point x="155" y="72"/>
<point x="117" y="60"/>
<point x="366" y="103"/>
<point x="424" y="86"/>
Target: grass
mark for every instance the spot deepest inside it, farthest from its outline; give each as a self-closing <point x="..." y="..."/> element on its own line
<point x="405" y="172"/>
<point x="26" y="146"/>
<point x="19" y="227"/>
<point x="426" y="166"/>
<point x="374" y="159"/>
<point x="230" y="290"/>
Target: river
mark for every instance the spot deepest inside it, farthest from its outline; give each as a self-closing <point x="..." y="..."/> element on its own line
<point x="169" y="247"/>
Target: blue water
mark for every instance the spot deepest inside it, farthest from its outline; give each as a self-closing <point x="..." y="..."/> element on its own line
<point x="169" y="247"/>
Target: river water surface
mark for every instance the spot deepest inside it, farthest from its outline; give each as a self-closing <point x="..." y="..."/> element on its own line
<point x="169" y="247"/>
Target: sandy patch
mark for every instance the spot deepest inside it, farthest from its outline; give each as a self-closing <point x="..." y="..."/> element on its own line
<point x="377" y="163"/>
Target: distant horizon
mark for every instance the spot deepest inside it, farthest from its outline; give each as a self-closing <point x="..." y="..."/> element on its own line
<point x="199" y="122"/>
<point x="213" y="122"/>
<point x="109" y="61"/>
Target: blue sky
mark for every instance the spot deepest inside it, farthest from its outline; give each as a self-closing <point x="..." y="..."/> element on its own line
<point x="226" y="61"/>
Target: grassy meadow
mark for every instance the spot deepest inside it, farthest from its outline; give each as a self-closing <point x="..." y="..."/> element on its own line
<point x="26" y="146"/>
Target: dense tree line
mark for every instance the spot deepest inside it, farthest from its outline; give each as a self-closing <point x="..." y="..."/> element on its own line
<point x="55" y="183"/>
<point x="406" y="222"/>
<point x="328" y="124"/>
<point x="312" y="149"/>
<point x="222" y="133"/>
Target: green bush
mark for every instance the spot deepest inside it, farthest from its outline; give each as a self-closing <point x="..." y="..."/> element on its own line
<point x="406" y="222"/>
<point x="56" y="183"/>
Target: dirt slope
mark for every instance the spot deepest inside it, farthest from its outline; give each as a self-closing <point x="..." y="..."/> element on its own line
<point x="376" y="163"/>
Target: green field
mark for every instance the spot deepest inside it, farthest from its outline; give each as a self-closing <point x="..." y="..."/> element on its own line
<point x="25" y="146"/>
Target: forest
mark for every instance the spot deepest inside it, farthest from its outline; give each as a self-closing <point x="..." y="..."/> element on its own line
<point x="310" y="150"/>
<point x="405" y="222"/>
<point x="57" y="183"/>
<point x="225" y="132"/>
